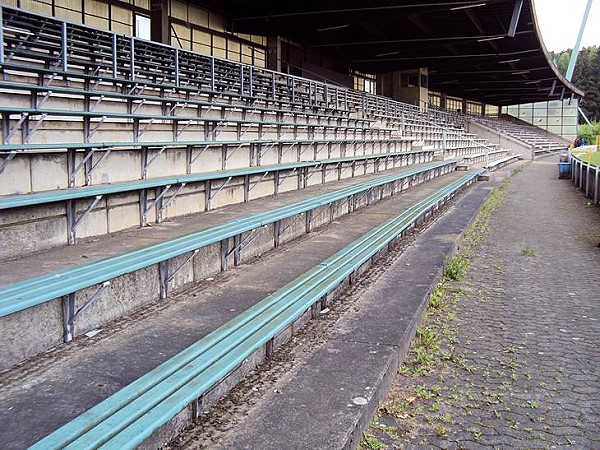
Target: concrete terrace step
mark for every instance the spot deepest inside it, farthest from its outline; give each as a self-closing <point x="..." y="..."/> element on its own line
<point x="118" y="281"/>
<point x="98" y="367"/>
<point x="325" y="385"/>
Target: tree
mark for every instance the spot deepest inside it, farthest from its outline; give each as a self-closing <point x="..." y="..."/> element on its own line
<point x="586" y="77"/>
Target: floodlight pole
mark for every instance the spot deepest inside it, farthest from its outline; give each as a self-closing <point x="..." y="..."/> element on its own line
<point x="575" y="52"/>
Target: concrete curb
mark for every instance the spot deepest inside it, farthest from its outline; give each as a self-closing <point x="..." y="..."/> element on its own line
<point x="398" y="358"/>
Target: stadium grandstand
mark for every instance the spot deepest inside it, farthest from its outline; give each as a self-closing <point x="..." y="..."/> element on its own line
<point x="185" y="184"/>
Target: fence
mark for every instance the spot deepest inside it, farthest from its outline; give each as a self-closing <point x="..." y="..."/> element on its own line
<point x="586" y="176"/>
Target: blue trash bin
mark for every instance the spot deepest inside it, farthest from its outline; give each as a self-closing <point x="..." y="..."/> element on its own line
<point x="564" y="170"/>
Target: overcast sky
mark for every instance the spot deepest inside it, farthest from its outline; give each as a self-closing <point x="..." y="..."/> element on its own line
<point x="559" y="21"/>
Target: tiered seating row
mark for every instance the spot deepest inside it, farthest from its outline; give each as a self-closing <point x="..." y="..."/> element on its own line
<point x="118" y="284"/>
<point x="130" y="416"/>
<point x="62" y="51"/>
<point x="531" y="135"/>
<point x="107" y="208"/>
<point x="72" y="165"/>
<point x="501" y="162"/>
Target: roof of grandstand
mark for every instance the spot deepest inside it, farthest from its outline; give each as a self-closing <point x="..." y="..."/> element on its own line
<point x="489" y="51"/>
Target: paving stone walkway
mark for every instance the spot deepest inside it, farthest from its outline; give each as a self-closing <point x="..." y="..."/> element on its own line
<point x="512" y="360"/>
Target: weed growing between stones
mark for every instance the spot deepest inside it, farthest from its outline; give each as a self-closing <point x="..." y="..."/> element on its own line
<point x="423" y="403"/>
<point x="528" y="251"/>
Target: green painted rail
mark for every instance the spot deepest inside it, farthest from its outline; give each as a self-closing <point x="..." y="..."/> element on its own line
<point x="131" y="415"/>
<point x="57" y="195"/>
<point x="23" y="148"/>
<point x="34" y="291"/>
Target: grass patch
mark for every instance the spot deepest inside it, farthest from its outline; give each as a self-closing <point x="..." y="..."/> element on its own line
<point x="419" y="403"/>
<point x="591" y="157"/>
<point x="528" y="251"/>
<point x="371" y="442"/>
<point x="456" y="267"/>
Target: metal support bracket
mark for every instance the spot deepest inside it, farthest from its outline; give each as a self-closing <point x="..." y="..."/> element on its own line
<point x="15" y="127"/>
<point x="69" y="313"/>
<point x="243" y="243"/>
<point x="252" y="186"/>
<point x="96" y="127"/>
<point x="289" y="174"/>
<point x="214" y="194"/>
<point x="159" y="204"/>
<point x="148" y="162"/>
<point x="91" y="169"/>
<point x="317" y="167"/>
<point x="37" y="125"/>
<point x="74" y="221"/>
<point x="167" y="276"/>
<point x="7" y="159"/>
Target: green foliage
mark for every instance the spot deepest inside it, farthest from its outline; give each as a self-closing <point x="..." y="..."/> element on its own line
<point x="528" y="251"/>
<point x="371" y="442"/>
<point x="456" y="267"/>
<point x="586" y="77"/>
<point x="589" y="132"/>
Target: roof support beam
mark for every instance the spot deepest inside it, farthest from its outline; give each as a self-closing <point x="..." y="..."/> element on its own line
<point x="514" y="21"/>
<point x="359" y="10"/>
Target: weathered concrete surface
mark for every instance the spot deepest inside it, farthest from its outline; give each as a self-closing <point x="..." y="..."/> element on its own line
<point x="329" y="386"/>
<point x="66" y="382"/>
<point x="525" y="365"/>
<point x="137" y="288"/>
<point x="91" y="249"/>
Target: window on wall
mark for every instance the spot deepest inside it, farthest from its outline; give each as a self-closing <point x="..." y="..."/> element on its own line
<point x="435" y="99"/>
<point x="365" y="82"/>
<point x="142" y="27"/>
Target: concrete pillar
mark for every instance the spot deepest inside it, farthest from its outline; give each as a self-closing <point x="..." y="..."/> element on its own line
<point x="159" y="21"/>
<point x="274" y="53"/>
<point x="405" y="86"/>
<point x="483" y="105"/>
<point x="464" y="105"/>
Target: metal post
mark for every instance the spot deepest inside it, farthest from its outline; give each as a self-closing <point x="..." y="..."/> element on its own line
<point x="575" y="52"/>
<point x="64" y="45"/>
<point x="1" y="36"/>
<point x="241" y="80"/>
<point x="212" y="73"/>
<point x="250" y="77"/>
<point x="293" y="90"/>
<point x="177" y="67"/>
<point x="132" y="58"/>
<point x="114" y="55"/>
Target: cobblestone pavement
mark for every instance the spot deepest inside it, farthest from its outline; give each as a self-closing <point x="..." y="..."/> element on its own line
<point x="508" y="355"/>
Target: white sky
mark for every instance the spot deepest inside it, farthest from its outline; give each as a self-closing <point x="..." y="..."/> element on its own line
<point x="559" y="22"/>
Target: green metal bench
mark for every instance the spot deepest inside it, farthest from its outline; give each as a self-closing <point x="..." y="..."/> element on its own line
<point x="59" y="195"/>
<point x="130" y="416"/>
<point x="35" y="291"/>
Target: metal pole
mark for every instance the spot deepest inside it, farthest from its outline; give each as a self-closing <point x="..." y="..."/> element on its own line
<point x="132" y="58"/>
<point x="1" y="37"/>
<point x="575" y="53"/>
<point x="241" y="80"/>
<point x="114" y="55"/>
<point x="250" y="90"/>
<point x="177" y="67"/>
<point x="64" y="45"/>
<point x="212" y="73"/>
